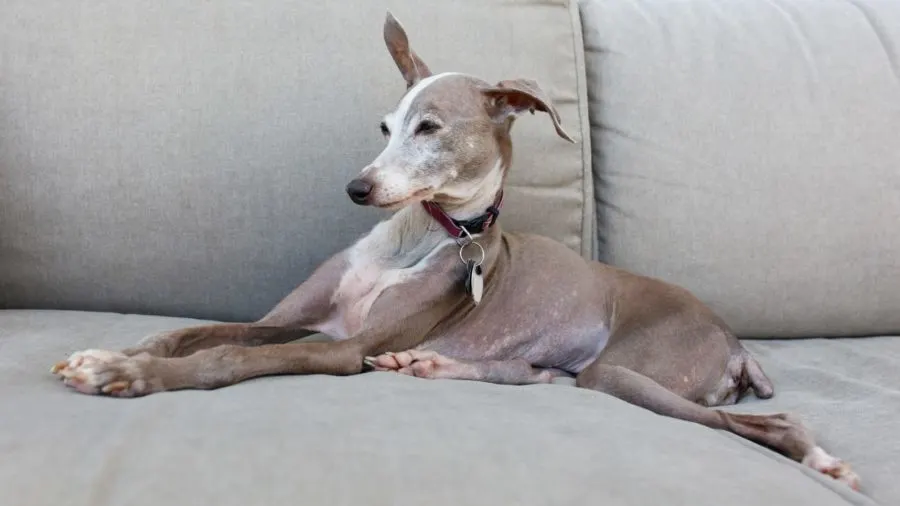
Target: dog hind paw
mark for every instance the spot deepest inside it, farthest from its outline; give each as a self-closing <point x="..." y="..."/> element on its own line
<point x="832" y="466"/>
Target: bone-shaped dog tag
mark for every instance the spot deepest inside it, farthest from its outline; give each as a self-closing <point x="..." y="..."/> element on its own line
<point x="474" y="281"/>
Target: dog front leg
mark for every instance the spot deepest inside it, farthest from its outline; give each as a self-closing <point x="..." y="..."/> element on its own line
<point x="432" y="365"/>
<point x="309" y="304"/>
<point x="101" y="372"/>
<point x="183" y="342"/>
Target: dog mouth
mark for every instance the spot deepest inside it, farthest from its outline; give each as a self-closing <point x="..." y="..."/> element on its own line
<point x="417" y="196"/>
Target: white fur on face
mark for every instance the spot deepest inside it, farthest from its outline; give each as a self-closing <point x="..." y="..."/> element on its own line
<point x="478" y="194"/>
<point x="397" y="120"/>
<point x="394" y="172"/>
<point x="392" y="185"/>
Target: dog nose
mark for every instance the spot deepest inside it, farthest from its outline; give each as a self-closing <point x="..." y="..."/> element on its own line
<point x="359" y="190"/>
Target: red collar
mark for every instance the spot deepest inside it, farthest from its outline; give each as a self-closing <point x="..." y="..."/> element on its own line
<point x="457" y="229"/>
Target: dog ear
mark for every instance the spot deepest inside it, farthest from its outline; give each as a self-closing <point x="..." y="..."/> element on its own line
<point x="515" y="96"/>
<point x="411" y="66"/>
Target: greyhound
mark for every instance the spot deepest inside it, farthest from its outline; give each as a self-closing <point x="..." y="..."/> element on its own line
<point x="439" y="291"/>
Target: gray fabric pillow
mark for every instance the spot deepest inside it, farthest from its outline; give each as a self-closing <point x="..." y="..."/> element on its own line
<point x="747" y="151"/>
<point x="190" y="158"/>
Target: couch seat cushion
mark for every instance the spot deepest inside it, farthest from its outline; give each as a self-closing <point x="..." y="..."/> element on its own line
<point x="386" y="439"/>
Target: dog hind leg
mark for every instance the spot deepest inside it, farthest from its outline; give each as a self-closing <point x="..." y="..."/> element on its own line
<point x="781" y="432"/>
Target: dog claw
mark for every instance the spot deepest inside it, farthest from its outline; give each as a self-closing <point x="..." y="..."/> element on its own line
<point x="59" y="366"/>
<point x="116" y="386"/>
<point x="369" y="361"/>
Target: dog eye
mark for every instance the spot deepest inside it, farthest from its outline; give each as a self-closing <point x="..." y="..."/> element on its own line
<point x="384" y="129"/>
<point x="427" y="127"/>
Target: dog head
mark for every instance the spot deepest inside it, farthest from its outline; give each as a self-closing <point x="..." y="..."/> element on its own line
<point x="448" y="139"/>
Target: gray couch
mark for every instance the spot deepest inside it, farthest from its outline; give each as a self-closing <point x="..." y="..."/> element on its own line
<point x="163" y="163"/>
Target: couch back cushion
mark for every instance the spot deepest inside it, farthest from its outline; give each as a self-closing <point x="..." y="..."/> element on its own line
<point x="190" y="158"/>
<point x="749" y="152"/>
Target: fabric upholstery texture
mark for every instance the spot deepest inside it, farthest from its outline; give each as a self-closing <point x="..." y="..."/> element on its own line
<point x="190" y="158"/>
<point x="747" y="151"/>
<point x="385" y="439"/>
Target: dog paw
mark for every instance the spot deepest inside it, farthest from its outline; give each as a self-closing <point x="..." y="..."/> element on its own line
<point x="418" y="363"/>
<point x="821" y="461"/>
<point x="102" y="372"/>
